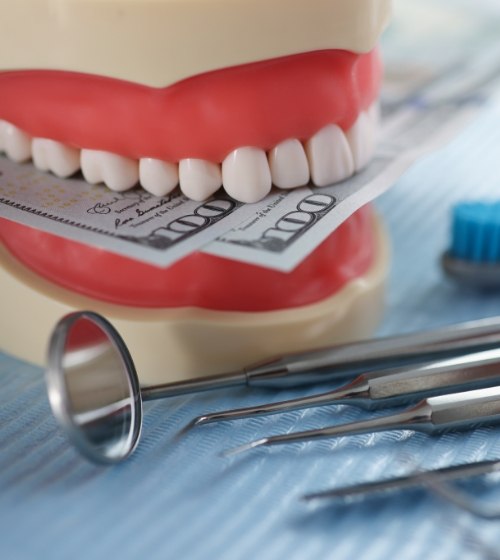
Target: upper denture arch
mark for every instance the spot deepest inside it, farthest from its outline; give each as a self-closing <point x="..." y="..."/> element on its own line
<point x="206" y="116"/>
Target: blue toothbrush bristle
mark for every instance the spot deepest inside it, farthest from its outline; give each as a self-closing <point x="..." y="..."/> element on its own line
<point x="476" y="232"/>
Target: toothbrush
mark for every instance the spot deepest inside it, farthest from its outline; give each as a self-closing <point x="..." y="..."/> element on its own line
<point x="474" y="256"/>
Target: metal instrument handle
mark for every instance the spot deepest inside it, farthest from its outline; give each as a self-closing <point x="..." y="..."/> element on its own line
<point x="463" y="373"/>
<point x="346" y="360"/>
<point x="462" y="410"/>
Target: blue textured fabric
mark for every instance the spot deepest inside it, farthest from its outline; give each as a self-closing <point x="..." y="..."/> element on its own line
<point x="176" y="498"/>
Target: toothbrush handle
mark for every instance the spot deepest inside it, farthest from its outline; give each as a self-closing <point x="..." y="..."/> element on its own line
<point x="347" y="360"/>
<point x="465" y="410"/>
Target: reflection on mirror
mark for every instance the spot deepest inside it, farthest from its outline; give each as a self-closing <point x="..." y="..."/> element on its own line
<point x="93" y="387"/>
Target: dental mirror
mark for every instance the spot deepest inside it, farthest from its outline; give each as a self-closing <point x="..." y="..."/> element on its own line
<point x="93" y="388"/>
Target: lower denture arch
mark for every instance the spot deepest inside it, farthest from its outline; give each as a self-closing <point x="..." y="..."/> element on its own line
<point x="199" y="280"/>
<point x="205" y="117"/>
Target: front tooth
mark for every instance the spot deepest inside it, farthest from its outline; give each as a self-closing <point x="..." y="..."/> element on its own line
<point x="246" y="175"/>
<point x="374" y="114"/>
<point x="117" y="172"/>
<point x="14" y="142"/>
<point x="49" y="155"/>
<point x="329" y="155"/>
<point x="361" y="138"/>
<point x="158" y="177"/>
<point x="198" y="178"/>
<point x="3" y="128"/>
<point x="288" y="165"/>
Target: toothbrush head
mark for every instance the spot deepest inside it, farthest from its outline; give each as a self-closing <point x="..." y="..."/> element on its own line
<point x="474" y="256"/>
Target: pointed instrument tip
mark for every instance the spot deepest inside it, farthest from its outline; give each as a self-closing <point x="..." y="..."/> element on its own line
<point x="308" y="497"/>
<point x="198" y="421"/>
<point x="346" y="494"/>
<point x="244" y="447"/>
<point x="316" y="496"/>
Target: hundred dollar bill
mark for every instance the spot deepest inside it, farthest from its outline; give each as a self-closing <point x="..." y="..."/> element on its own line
<point x="426" y="101"/>
<point x="418" y="117"/>
<point x="135" y="224"/>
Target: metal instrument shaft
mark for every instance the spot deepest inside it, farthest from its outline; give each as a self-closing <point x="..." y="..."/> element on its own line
<point x="387" y="387"/>
<point x="413" y="480"/>
<point x="433" y="415"/>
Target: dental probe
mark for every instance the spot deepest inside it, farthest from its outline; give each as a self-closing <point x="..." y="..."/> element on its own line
<point x="386" y="388"/>
<point x="433" y="415"/>
<point x="95" y="395"/>
<point x="445" y="474"/>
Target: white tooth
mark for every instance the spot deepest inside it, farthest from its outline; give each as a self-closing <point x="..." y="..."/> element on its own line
<point x="158" y="177"/>
<point x="361" y="138"/>
<point x="14" y="142"/>
<point x="3" y="128"/>
<point x="49" y="155"/>
<point x="117" y="172"/>
<point x="288" y="165"/>
<point x="329" y="155"/>
<point x="374" y="114"/>
<point x="198" y="178"/>
<point x="246" y="175"/>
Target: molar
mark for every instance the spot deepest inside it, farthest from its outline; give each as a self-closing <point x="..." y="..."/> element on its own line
<point x="14" y="142"/>
<point x="246" y="175"/>
<point x="199" y="179"/>
<point x="49" y="155"/>
<point x="330" y="157"/>
<point x="158" y="177"/>
<point x="119" y="173"/>
<point x="288" y="165"/>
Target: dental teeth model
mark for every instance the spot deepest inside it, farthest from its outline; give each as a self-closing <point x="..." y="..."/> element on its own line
<point x="239" y="94"/>
<point x="262" y="94"/>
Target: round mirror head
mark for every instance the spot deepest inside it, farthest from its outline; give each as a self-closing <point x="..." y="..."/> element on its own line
<point x="93" y="387"/>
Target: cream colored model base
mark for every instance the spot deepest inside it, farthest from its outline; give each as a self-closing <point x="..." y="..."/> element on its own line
<point x="174" y="344"/>
<point x="159" y="42"/>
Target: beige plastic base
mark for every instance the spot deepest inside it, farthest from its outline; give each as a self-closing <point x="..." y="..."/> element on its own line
<point x="194" y="36"/>
<point x="174" y="344"/>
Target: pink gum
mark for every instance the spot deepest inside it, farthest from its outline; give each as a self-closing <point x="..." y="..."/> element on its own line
<point x="206" y="116"/>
